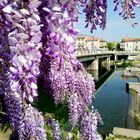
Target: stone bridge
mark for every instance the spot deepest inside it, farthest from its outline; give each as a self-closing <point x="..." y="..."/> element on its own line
<point x="90" y="55"/>
<point x="90" y="59"/>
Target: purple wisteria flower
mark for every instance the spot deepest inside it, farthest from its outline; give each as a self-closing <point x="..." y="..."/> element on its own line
<point x="88" y="125"/>
<point x="19" y="58"/>
<point x="33" y="124"/>
<point x="127" y="8"/>
<point x="56" y="131"/>
<point x="24" y="41"/>
<point x="37" y="40"/>
<point x="66" y="78"/>
<point x="96" y="13"/>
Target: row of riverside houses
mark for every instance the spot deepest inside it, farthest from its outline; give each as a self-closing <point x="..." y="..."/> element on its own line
<point x="89" y="43"/>
<point x="130" y="44"/>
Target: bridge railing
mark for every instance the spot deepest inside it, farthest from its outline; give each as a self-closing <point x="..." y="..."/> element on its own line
<point x="96" y="52"/>
<point x="90" y="52"/>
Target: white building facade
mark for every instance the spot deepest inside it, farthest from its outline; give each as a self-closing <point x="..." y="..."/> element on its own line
<point x="130" y="44"/>
<point x="103" y="43"/>
<point x="88" y="45"/>
<point x="80" y="43"/>
<point x="90" y="42"/>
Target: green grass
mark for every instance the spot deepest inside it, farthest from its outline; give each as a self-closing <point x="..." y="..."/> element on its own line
<point x="133" y="91"/>
<point x="126" y="63"/>
<point x="118" y="137"/>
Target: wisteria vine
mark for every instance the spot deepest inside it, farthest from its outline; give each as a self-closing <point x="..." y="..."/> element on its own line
<point x="37" y="40"/>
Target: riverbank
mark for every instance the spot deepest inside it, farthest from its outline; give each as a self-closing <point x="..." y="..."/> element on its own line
<point x="127" y="63"/>
<point x="124" y="134"/>
<point x="135" y="107"/>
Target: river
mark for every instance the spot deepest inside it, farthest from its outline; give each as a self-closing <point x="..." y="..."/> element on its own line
<point x="112" y="100"/>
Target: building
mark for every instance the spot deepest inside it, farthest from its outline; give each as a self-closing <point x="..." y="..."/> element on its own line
<point x="130" y="44"/>
<point x="103" y="43"/>
<point x="80" y="43"/>
<point x="90" y="43"/>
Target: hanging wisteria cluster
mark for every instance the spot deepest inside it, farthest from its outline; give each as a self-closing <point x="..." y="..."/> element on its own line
<point x="88" y="125"/>
<point x="56" y="130"/>
<point x="127" y="8"/>
<point x="96" y="13"/>
<point x="37" y="40"/>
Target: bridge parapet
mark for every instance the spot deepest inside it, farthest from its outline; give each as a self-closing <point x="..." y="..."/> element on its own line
<point x="90" y="52"/>
<point x="98" y="52"/>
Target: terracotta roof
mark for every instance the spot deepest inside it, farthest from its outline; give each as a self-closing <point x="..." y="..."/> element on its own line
<point x="91" y="39"/>
<point x="130" y="39"/>
<point x="81" y="36"/>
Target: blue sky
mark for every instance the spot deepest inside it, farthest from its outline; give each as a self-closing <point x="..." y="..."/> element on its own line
<point x="116" y="28"/>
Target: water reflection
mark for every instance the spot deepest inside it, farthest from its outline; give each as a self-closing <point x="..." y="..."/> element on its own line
<point x="97" y="74"/>
<point x="112" y="101"/>
<point x="101" y="75"/>
<point x="129" y="74"/>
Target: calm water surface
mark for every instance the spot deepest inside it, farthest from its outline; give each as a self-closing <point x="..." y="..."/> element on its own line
<point x="113" y="102"/>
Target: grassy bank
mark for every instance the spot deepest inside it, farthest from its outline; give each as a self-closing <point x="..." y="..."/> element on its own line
<point x="127" y="63"/>
<point x="124" y="63"/>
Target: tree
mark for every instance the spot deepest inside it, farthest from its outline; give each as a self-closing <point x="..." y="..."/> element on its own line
<point x="118" y="47"/>
<point x="111" y="46"/>
<point x="37" y="40"/>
